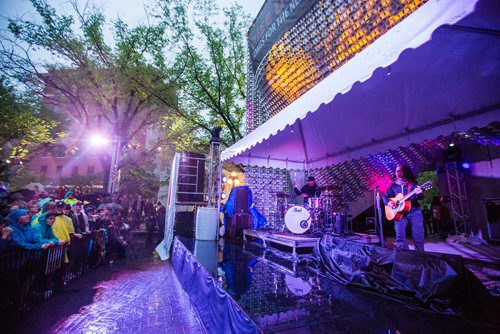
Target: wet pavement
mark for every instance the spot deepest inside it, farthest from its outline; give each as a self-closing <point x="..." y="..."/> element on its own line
<point x="130" y="296"/>
<point x="282" y="298"/>
<point x="144" y="296"/>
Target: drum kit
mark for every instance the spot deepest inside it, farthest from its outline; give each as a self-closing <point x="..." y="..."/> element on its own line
<point x="326" y="213"/>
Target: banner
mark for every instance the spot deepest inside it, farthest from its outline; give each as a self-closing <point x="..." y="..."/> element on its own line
<point x="274" y="19"/>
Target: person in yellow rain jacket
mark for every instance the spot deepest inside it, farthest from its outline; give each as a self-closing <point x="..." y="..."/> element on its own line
<point x="59" y="227"/>
<point x="69" y="199"/>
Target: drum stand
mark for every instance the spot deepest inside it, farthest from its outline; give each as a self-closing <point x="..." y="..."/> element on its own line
<point x="317" y="229"/>
<point x="277" y="221"/>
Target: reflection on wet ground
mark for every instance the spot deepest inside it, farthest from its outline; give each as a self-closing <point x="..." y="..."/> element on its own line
<point x="281" y="297"/>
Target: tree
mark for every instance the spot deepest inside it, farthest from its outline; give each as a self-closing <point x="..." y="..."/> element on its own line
<point x="210" y="64"/>
<point x="96" y="83"/>
<point x="25" y="130"/>
<point x="154" y="73"/>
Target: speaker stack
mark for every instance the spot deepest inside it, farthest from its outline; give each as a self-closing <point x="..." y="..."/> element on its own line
<point x="191" y="179"/>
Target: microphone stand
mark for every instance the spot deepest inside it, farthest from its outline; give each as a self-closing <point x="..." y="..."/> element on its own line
<point x="378" y="214"/>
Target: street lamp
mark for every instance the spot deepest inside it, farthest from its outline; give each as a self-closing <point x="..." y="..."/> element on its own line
<point x="99" y="140"/>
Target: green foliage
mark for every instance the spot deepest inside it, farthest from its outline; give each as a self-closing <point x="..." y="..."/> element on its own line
<point x="184" y="70"/>
<point x="86" y="181"/>
<point x="25" y="129"/>
<point x="210" y="63"/>
<point x="20" y="176"/>
<point x="430" y="193"/>
<point x="138" y="181"/>
<point x="100" y="85"/>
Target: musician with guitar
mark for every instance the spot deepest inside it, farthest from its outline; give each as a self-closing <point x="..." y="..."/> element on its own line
<point x="402" y="206"/>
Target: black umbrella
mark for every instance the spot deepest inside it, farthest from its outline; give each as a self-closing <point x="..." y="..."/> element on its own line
<point x="22" y="194"/>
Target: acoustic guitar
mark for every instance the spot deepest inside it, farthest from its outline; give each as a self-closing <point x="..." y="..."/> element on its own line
<point x="401" y="203"/>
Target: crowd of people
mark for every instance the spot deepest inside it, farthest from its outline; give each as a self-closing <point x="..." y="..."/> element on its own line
<point x="48" y="219"/>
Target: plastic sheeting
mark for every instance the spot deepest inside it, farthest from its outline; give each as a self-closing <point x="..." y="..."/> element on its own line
<point x="437" y="282"/>
<point x="258" y="220"/>
<point x="218" y="311"/>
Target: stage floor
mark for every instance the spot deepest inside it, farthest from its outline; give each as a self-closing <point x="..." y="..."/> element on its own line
<point x="285" y="297"/>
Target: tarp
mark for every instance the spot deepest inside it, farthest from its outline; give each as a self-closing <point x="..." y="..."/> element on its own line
<point x="434" y="73"/>
<point x="258" y="220"/>
<point x="163" y="249"/>
<point x="218" y="311"/>
<point x="437" y="282"/>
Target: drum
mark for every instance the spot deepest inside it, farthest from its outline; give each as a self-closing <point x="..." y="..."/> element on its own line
<point x="314" y="202"/>
<point x="297" y="219"/>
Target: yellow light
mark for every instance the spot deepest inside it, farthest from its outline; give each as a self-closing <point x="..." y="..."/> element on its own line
<point x="233" y="174"/>
<point x="236" y="182"/>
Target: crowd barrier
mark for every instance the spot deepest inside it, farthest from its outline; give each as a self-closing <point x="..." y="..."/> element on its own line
<point x="31" y="276"/>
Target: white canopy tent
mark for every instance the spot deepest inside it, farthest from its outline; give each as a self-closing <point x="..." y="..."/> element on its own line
<point x="436" y="72"/>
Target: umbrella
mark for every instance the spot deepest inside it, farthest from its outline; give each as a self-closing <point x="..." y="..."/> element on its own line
<point x="113" y="206"/>
<point x="24" y="194"/>
<point x="32" y="186"/>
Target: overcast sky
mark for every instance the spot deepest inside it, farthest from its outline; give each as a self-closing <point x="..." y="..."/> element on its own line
<point x="131" y="11"/>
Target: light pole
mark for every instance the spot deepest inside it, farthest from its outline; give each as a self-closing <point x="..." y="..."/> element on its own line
<point x="113" y="170"/>
<point x="98" y="140"/>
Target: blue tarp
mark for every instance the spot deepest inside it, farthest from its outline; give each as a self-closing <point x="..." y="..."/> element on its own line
<point x="258" y="220"/>
<point x="218" y="311"/>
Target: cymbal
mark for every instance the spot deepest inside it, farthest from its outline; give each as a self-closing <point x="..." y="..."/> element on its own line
<point x="280" y="194"/>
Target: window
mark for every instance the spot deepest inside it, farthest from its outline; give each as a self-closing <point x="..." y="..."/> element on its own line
<point x="90" y="170"/>
<point x="59" y="170"/>
<point x="45" y="154"/>
<point x="60" y="152"/>
<point x="74" y="171"/>
<point x="44" y="170"/>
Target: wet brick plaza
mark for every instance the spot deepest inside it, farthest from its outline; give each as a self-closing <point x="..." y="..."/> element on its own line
<point x="129" y="296"/>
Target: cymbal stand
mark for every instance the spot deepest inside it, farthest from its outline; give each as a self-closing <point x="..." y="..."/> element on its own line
<point x="346" y="209"/>
<point x="378" y="214"/>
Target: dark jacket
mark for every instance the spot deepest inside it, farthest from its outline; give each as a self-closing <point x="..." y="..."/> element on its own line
<point x="307" y="189"/>
<point x="395" y="189"/>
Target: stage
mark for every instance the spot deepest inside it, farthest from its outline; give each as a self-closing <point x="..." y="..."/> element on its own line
<point x="299" y="245"/>
<point x="272" y="293"/>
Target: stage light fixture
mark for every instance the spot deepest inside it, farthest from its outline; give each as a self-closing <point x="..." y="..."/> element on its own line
<point x="465" y="165"/>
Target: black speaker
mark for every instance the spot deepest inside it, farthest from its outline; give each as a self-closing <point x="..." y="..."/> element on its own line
<point x="241" y="200"/>
<point x="239" y="222"/>
<point x="184" y="224"/>
<point x="191" y="179"/>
